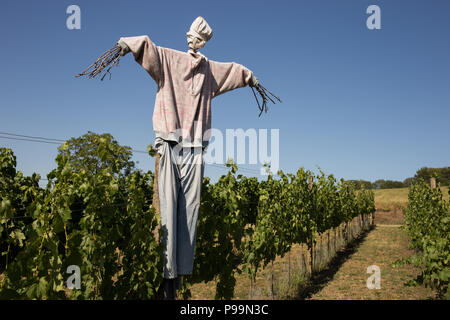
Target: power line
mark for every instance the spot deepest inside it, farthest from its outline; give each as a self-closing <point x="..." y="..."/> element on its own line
<point x="25" y="139"/>
<point x="33" y="137"/>
<point x="222" y="166"/>
<point x="21" y="137"/>
<point x="42" y="140"/>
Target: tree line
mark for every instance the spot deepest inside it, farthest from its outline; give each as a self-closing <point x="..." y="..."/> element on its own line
<point x="442" y="176"/>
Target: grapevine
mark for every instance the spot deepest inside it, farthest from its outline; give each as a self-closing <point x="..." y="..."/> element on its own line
<point x="100" y="217"/>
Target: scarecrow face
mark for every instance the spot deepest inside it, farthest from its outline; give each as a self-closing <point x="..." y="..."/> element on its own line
<point x="194" y="42"/>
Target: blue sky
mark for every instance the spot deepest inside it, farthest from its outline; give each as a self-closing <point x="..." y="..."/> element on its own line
<point x="359" y="103"/>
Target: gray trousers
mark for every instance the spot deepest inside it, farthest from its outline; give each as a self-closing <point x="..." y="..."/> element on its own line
<point x="180" y="180"/>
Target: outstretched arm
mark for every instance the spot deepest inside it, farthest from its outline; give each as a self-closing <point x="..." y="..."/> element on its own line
<point x="229" y="76"/>
<point x="145" y="53"/>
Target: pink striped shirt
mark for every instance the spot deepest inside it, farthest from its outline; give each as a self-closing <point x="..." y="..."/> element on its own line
<point x="187" y="82"/>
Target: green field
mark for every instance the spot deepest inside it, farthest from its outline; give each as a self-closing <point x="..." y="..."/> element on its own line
<point x="390" y="199"/>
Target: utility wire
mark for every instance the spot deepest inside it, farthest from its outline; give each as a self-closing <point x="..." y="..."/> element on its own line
<point x="42" y="140"/>
<point x="21" y="137"/>
<point x="24" y="139"/>
<point x="33" y="137"/>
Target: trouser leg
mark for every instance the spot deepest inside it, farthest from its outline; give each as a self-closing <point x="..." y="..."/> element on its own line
<point x="191" y="174"/>
<point x="168" y="289"/>
<point x="169" y="185"/>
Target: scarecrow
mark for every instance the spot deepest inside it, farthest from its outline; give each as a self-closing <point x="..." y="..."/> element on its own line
<point x="187" y="82"/>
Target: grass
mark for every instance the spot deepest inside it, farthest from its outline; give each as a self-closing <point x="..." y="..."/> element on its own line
<point x="296" y="263"/>
<point x="382" y="246"/>
<point x="390" y="199"/>
<point x="345" y="276"/>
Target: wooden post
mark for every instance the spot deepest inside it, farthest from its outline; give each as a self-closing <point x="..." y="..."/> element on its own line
<point x="320" y="253"/>
<point x="335" y="244"/>
<point x="289" y="271"/>
<point x="310" y="185"/>
<point x="328" y="247"/>
<point x="156" y="194"/>
<point x="433" y="183"/>
<point x="272" y="282"/>
<point x="312" y="257"/>
<point x="348" y="231"/>
<point x="155" y="204"/>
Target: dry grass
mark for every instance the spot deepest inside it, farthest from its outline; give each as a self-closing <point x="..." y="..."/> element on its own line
<point x="382" y="247"/>
<point x="342" y="278"/>
<point x="296" y="264"/>
<point x="393" y="217"/>
<point x="390" y="199"/>
<point x="262" y="288"/>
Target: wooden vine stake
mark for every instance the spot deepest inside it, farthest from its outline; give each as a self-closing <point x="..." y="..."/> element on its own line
<point x="289" y="271"/>
<point x="272" y="281"/>
<point x="333" y="235"/>
<point x="433" y="183"/>
<point x="328" y="246"/>
<point x="310" y="185"/>
<point x="155" y="204"/>
<point x="156" y="195"/>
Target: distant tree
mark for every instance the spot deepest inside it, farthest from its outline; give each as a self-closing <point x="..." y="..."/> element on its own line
<point x="408" y="181"/>
<point x="388" y="184"/>
<point x="378" y="184"/>
<point x="442" y="175"/>
<point x="93" y="152"/>
<point x="366" y="184"/>
<point x="361" y="184"/>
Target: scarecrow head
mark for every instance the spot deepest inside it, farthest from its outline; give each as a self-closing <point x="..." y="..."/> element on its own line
<point x="199" y="33"/>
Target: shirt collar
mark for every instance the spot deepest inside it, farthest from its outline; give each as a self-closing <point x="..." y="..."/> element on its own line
<point x="197" y="53"/>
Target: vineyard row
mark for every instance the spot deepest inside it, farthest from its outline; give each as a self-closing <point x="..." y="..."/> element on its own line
<point x="100" y="218"/>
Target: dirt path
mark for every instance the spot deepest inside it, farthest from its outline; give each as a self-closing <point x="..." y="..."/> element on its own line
<point x="381" y="246"/>
<point x="344" y="277"/>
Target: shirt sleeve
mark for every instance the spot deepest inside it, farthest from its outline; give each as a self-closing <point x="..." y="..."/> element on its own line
<point x="146" y="53"/>
<point x="228" y="76"/>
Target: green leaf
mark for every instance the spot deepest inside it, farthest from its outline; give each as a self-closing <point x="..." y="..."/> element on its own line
<point x="32" y="290"/>
<point x="18" y="236"/>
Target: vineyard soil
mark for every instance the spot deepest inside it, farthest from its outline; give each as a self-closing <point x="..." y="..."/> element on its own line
<point x="347" y="280"/>
<point x="382" y="247"/>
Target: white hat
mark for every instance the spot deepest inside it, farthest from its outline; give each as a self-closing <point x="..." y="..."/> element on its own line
<point x="201" y="29"/>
